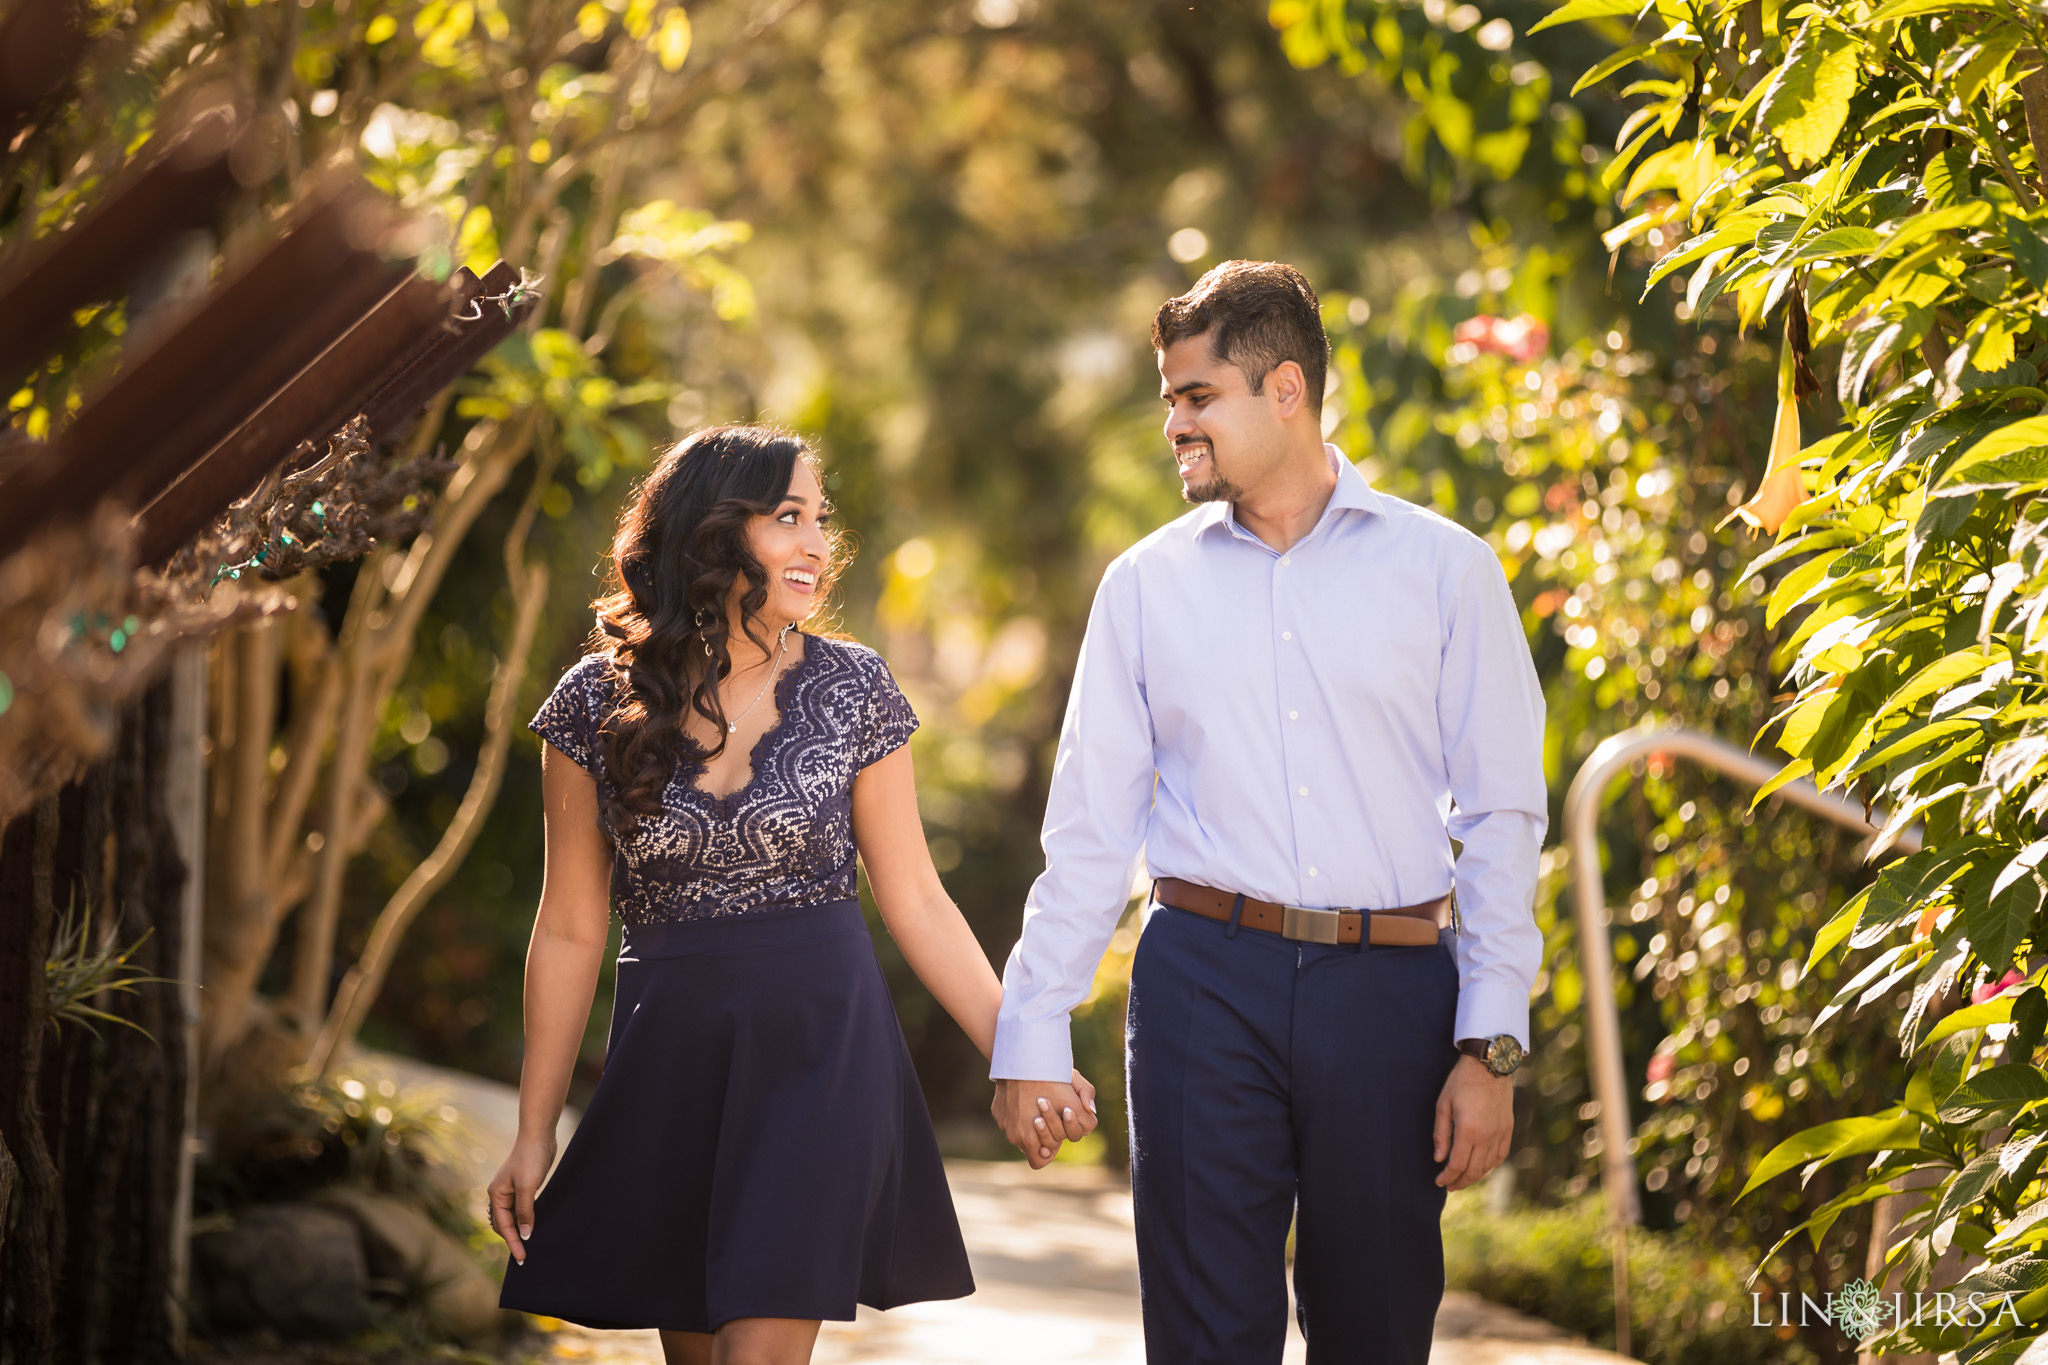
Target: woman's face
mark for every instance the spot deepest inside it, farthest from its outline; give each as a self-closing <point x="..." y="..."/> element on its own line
<point x="790" y="544"/>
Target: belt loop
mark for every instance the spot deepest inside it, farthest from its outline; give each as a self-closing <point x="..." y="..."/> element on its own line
<point x="1236" y="912"/>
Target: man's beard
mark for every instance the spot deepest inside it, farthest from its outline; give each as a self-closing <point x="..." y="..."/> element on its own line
<point x="1216" y="488"/>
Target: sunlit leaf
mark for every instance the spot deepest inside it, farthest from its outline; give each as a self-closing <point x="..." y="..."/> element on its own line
<point x="1808" y="99"/>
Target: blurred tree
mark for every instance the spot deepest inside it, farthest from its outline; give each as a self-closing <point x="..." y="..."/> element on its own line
<point x="963" y="216"/>
<point x="516" y="129"/>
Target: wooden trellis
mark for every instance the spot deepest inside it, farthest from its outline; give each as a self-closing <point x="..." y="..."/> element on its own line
<point x="249" y="433"/>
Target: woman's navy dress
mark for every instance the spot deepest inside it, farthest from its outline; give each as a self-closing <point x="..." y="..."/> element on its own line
<point x="758" y="1145"/>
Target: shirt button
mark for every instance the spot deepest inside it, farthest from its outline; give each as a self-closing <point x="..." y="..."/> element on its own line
<point x="1294" y="715"/>
<point x="1285" y="560"/>
<point x="1311" y="872"/>
<point x="1304" y="791"/>
<point x="1287" y="635"/>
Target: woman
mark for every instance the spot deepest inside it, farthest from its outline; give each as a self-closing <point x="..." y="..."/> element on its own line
<point x="757" y="1156"/>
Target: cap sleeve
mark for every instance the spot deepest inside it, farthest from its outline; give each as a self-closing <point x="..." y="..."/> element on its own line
<point x="570" y="717"/>
<point x="886" y="719"/>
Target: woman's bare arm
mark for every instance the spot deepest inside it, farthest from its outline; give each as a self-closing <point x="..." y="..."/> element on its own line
<point x="921" y="917"/>
<point x="928" y="928"/>
<point x="562" y="963"/>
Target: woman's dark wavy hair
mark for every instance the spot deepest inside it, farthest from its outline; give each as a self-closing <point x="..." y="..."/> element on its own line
<point x="681" y="546"/>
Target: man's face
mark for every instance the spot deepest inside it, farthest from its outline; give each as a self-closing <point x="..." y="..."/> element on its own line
<point x="1224" y="437"/>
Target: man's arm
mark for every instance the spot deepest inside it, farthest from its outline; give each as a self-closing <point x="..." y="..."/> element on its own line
<point x="1490" y="713"/>
<point x="1094" y="826"/>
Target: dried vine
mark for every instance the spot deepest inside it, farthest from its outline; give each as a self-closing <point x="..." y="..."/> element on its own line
<point x="82" y="632"/>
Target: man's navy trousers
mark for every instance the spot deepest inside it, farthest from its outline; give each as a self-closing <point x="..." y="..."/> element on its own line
<point x="1268" y="1076"/>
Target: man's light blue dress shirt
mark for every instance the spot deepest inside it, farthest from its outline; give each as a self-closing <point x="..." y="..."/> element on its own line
<point x="1297" y="727"/>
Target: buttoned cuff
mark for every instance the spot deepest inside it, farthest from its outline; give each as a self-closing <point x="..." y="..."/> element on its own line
<point x="1485" y="1009"/>
<point x="1025" y="1051"/>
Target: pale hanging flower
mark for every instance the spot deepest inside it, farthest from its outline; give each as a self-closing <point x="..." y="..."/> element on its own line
<point x="1782" y="489"/>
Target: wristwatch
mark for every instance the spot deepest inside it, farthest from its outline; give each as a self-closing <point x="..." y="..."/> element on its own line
<point x="1501" y="1053"/>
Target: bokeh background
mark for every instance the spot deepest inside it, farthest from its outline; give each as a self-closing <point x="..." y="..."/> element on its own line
<point x="930" y="237"/>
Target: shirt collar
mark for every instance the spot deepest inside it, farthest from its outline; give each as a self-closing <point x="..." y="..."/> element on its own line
<point x="1352" y="493"/>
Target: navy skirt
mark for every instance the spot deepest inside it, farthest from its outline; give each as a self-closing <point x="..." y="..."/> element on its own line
<point x="758" y="1145"/>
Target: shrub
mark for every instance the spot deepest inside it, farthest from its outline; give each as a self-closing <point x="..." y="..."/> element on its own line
<point x="1688" y="1304"/>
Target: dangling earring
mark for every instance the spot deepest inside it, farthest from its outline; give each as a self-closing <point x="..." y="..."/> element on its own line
<point x="704" y="619"/>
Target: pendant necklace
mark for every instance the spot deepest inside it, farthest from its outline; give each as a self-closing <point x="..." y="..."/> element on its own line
<point x="732" y="726"/>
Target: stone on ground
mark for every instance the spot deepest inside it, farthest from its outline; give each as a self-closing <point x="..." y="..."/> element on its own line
<point x="404" y="1245"/>
<point x="295" y="1268"/>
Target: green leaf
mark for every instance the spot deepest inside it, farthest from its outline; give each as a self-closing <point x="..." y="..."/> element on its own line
<point x="1938" y="676"/>
<point x="1808" y="99"/>
<point x="1947" y="180"/>
<point x="1995" y="1011"/>
<point x="1790" y="773"/>
<point x="1900" y="893"/>
<point x="1993" y="1087"/>
<point x="2006" y="471"/>
<point x="1908" y="738"/>
<point x="1803" y="721"/>
<point x="1573" y="11"/>
<point x="1797" y="585"/>
<point x="2020" y="1276"/>
<point x="1894" y="1129"/>
<point x="1610" y="64"/>
<point x="1969" y="1185"/>
<point x="1841" y="241"/>
<point x="1907" y="9"/>
<point x="2028" y="1217"/>
<point x="1923" y="225"/>
<point x="2027" y="434"/>
<point x="1835" y="930"/>
<point x="2029" y="252"/>
<point x="1997" y="926"/>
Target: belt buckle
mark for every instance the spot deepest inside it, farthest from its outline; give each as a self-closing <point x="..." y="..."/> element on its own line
<point x="1306" y="925"/>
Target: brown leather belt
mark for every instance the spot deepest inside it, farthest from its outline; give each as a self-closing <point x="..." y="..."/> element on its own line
<point x="1408" y="926"/>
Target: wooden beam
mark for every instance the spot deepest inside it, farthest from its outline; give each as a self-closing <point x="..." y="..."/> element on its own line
<point x="180" y="182"/>
<point x="185" y="393"/>
<point x="317" y="401"/>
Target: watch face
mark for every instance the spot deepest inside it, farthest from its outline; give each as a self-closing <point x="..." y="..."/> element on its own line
<point x="1503" y="1054"/>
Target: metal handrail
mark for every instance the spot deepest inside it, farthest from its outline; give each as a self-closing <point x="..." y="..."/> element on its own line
<point x="1582" y="805"/>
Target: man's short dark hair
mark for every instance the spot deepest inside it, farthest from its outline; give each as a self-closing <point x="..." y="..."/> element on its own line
<point x="1256" y="314"/>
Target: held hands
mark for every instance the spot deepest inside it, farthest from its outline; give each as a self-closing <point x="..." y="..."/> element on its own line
<point x="1475" y="1121"/>
<point x="513" y="1187"/>
<point x="1039" y="1115"/>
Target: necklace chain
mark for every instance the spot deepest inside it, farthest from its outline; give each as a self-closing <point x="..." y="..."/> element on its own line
<point x="732" y="724"/>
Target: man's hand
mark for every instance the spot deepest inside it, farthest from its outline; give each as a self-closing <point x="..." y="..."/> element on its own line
<point x="1039" y="1115"/>
<point x="1475" y="1122"/>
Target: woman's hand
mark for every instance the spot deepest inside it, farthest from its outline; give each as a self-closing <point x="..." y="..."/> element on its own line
<point x="512" y="1190"/>
<point x="1087" y="1094"/>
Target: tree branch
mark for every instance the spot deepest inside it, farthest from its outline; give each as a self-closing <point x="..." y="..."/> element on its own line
<point x="360" y="987"/>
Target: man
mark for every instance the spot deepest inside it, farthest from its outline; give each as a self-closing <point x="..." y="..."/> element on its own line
<point x="1279" y="698"/>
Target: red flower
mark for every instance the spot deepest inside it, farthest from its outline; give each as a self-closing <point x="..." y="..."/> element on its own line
<point x="1662" y="1065"/>
<point x="1992" y="989"/>
<point x="1519" y="338"/>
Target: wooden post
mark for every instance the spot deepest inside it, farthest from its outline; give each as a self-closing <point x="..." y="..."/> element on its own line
<point x="185" y="800"/>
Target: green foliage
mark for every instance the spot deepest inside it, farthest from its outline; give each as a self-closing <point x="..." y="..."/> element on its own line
<point x="1600" y="466"/>
<point x="354" y="1126"/>
<point x="1915" y="607"/>
<point x="1689" y="1305"/>
<point x="78" y="972"/>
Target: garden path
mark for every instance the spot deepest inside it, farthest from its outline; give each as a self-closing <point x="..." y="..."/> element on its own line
<point x="1054" y="1259"/>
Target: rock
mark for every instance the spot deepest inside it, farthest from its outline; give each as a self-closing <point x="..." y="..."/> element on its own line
<point x="293" y="1267"/>
<point x="405" y="1245"/>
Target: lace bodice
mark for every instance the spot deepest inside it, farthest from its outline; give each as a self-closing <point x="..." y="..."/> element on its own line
<point x="786" y="837"/>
